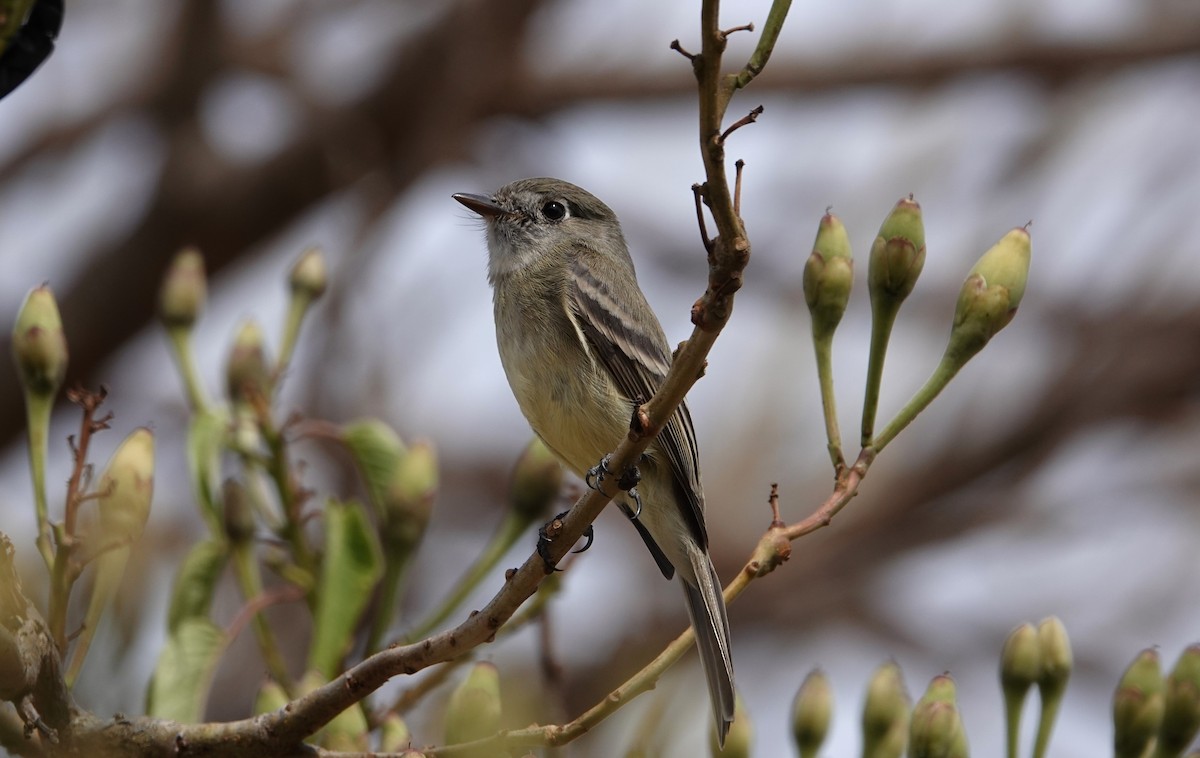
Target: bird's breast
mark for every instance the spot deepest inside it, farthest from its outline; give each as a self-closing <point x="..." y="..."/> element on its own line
<point x="568" y="397"/>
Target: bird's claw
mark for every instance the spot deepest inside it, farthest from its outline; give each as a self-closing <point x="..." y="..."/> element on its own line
<point x="633" y="493"/>
<point x="596" y="474"/>
<point x="550" y="530"/>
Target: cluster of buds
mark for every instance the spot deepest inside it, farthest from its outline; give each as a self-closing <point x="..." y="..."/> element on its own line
<point x="986" y="303"/>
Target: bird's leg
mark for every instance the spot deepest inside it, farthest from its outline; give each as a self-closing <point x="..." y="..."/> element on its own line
<point x="550" y="530"/>
<point x="595" y="475"/>
<point x="627" y="481"/>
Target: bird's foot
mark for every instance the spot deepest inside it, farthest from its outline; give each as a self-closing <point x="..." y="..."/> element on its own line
<point x="550" y="530"/>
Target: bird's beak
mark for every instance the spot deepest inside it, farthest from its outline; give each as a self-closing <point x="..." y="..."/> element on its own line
<point x="482" y="205"/>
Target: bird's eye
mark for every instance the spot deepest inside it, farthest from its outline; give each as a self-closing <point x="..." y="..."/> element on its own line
<point x="554" y="211"/>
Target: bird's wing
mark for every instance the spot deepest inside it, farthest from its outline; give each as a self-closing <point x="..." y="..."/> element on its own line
<point x="625" y="336"/>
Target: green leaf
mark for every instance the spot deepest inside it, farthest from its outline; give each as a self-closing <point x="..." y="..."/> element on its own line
<point x="181" y="681"/>
<point x="349" y="572"/>
<point x="110" y="567"/>
<point x="195" y="582"/>
<point x="376" y="449"/>
<point x="206" y="434"/>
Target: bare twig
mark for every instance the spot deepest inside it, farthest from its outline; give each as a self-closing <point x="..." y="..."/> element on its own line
<point x="746" y="120"/>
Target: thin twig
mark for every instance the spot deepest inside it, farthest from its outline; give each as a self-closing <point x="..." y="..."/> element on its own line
<point x="739" y="165"/>
<point x="679" y="49"/>
<point x="743" y="28"/>
<point x="286" y="593"/>
<point x="746" y="120"/>
<point x="698" y="193"/>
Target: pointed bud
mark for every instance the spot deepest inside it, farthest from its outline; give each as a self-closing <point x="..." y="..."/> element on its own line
<point x="1181" y="717"/>
<point x="1020" y="661"/>
<point x="885" y="713"/>
<point x="184" y="290"/>
<point x="127" y="486"/>
<point x="897" y="255"/>
<point x="828" y="276"/>
<point x="409" y="498"/>
<point x="39" y="344"/>
<point x="989" y="297"/>
<point x="812" y="711"/>
<point x="937" y="730"/>
<point x="246" y="373"/>
<point x="1020" y="667"/>
<point x="474" y="709"/>
<point x="739" y="740"/>
<point x="237" y="512"/>
<point x="1055" y="656"/>
<point x="309" y="276"/>
<point x="536" y="482"/>
<point x="1138" y="706"/>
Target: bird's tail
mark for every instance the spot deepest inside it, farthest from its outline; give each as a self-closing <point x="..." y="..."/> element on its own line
<point x="706" y="607"/>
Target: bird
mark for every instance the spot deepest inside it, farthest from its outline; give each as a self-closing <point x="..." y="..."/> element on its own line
<point x="581" y="347"/>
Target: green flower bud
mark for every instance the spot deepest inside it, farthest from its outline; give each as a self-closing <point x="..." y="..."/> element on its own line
<point x="897" y="255"/>
<point x="1138" y="706"/>
<point x="474" y="709"/>
<point x="936" y="730"/>
<point x="376" y="449"/>
<point x="238" y="513"/>
<point x="739" y="741"/>
<point x="1020" y="667"/>
<point x="409" y="498"/>
<point x="941" y="689"/>
<point x="246" y="374"/>
<point x="184" y="289"/>
<point x="127" y="486"/>
<point x="1054" y="653"/>
<point x="536" y="482"/>
<point x="1055" y="656"/>
<point x="1020" y="661"/>
<point x="990" y="295"/>
<point x="309" y="276"/>
<point x="812" y="710"/>
<point x="885" y="713"/>
<point x="393" y="734"/>
<point x="39" y="344"/>
<point x="828" y="276"/>
<point x="1181" y="716"/>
